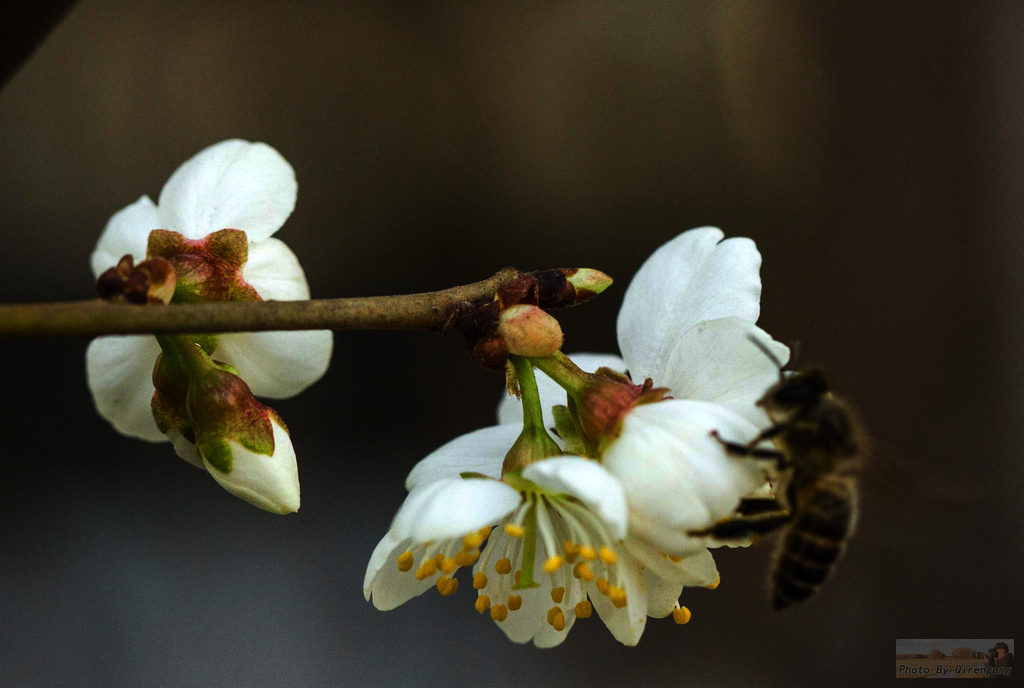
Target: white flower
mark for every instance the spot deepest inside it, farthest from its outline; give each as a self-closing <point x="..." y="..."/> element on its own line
<point x="231" y="185"/>
<point x="685" y="322"/>
<point x="566" y="514"/>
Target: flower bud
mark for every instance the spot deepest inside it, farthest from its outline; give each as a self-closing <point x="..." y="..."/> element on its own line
<point x="556" y="288"/>
<point x="529" y="331"/>
<point x="243" y="444"/>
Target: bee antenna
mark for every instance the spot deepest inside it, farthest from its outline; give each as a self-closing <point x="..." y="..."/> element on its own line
<point x="794" y="359"/>
<point x="766" y="351"/>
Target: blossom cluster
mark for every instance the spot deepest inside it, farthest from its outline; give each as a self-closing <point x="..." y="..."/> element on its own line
<point x="581" y="498"/>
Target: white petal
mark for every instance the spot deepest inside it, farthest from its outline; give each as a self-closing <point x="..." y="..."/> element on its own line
<point x="268" y="482"/>
<point x="546" y="635"/>
<point x="627" y="623"/>
<point x="277" y="365"/>
<point x="665" y="578"/>
<point x="510" y="409"/>
<point x="231" y="185"/>
<point x="452" y="507"/>
<point x="589" y="482"/>
<point x="480" y="451"/>
<point x="185" y="449"/>
<point x="388" y="585"/>
<point x="274" y="272"/>
<point x="716" y="361"/>
<point x="120" y="375"/>
<point x="126" y="232"/>
<point x="523" y="624"/>
<point x="675" y="475"/>
<point x="692" y="278"/>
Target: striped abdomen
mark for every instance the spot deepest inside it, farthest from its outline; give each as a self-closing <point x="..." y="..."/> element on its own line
<point x="825" y="512"/>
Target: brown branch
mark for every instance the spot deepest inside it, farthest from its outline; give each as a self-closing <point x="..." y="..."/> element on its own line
<point x="436" y="311"/>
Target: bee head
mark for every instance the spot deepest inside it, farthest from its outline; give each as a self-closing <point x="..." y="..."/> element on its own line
<point x="794" y="392"/>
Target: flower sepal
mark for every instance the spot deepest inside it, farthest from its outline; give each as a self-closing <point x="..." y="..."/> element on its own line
<point x="208" y="269"/>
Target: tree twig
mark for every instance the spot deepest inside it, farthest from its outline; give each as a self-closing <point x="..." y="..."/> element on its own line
<point x="437" y="311"/>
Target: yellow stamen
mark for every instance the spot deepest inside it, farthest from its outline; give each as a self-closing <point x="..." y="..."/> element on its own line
<point x="558" y="623"/>
<point x="587" y="552"/>
<point x="484" y="533"/>
<point x="499" y="612"/>
<point x="405" y="561"/>
<point x="512" y="530"/>
<point x="442" y="584"/>
<point x="673" y="558"/>
<point x="557" y="594"/>
<point x="464" y="558"/>
<point x="448" y="566"/>
<point x="552" y="564"/>
<point x="551" y="614"/>
<point x="681" y="615"/>
<point x="607" y="556"/>
<point x="453" y="585"/>
<point x="617" y="596"/>
<point x="439" y="559"/>
<point x="480" y="580"/>
<point x="472" y="541"/>
<point x="483" y="603"/>
<point x="503" y="566"/>
<point x="514" y="602"/>
<point x="583" y="572"/>
<point x="583" y="609"/>
<point x="427" y="568"/>
<point x="571" y="548"/>
<point x="714" y="585"/>
<point x="519" y="573"/>
<point x="603" y="586"/>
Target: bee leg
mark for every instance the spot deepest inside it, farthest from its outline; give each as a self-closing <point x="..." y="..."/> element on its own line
<point x="748" y="451"/>
<point x="741" y="527"/>
<point x="755" y="506"/>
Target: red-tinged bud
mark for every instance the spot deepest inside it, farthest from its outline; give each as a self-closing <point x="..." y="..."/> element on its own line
<point x="530" y="332"/>
<point x="606" y="400"/>
<point x="215" y="422"/>
<point x="150" y="282"/>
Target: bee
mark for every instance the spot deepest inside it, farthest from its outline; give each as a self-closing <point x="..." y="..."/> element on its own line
<point x="814" y="463"/>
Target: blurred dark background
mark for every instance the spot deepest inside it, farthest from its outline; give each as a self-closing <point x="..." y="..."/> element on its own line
<point x="872" y="149"/>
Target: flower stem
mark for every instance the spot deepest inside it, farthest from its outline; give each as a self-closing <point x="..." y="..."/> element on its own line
<point x="533" y="414"/>
<point x="562" y="370"/>
<point x="438" y="311"/>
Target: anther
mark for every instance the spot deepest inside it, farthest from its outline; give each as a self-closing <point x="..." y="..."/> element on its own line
<point x="512" y="530"/>
<point x="714" y="585"/>
<point x="480" y="581"/>
<point x="583" y="572"/>
<point x="472" y="541"/>
<point x="448" y="565"/>
<point x="427" y="568"/>
<point x="552" y="564"/>
<point x="483" y="603"/>
<point x="453" y="585"/>
<point x="583" y="609"/>
<point x="405" y="561"/>
<point x="499" y="612"/>
<point x="681" y="615"/>
<point x="519" y="573"/>
<point x="465" y="558"/>
<point x="571" y="548"/>
<point x="558" y="623"/>
<point x="607" y="556"/>
<point x="439" y="559"/>
<point x="503" y="566"/>
<point x="554" y="611"/>
<point x="484" y="533"/>
<point x="674" y="559"/>
<point x="617" y="596"/>
<point x="603" y="585"/>
<point x="587" y="552"/>
<point x="514" y="602"/>
<point x="442" y="584"/>
<point x="557" y="594"/>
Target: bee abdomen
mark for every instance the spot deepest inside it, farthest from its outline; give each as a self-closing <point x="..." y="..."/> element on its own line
<point x="813" y="541"/>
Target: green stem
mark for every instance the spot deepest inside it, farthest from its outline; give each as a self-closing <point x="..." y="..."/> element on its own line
<point x="562" y="370"/>
<point x="183" y="352"/>
<point x="529" y="549"/>
<point x="533" y="412"/>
